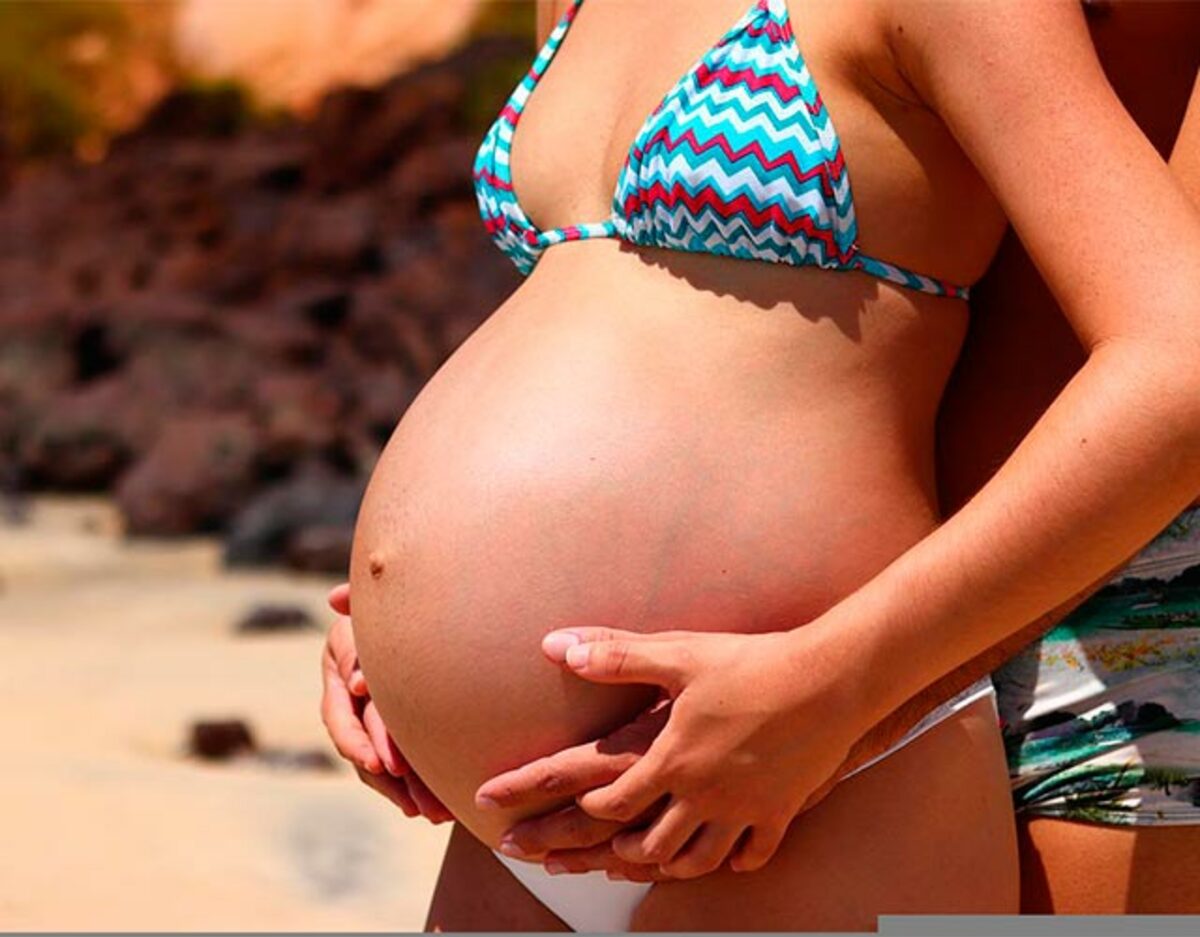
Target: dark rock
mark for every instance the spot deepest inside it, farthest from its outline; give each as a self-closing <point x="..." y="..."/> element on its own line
<point x="384" y="328"/>
<point x="322" y="302"/>
<point x="220" y="739"/>
<point x="462" y="240"/>
<point x="427" y="284"/>
<point x="304" y="759"/>
<point x="320" y="548"/>
<point x="271" y="337"/>
<point x="145" y="320"/>
<point x="298" y="413"/>
<point x="86" y="438"/>
<point x="308" y="277"/>
<point x="36" y="362"/>
<point x="272" y="619"/>
<point x="14" y="506"/>
<point x="193" y="370"/>
<point x="383" y="394"/>
<point x="419" y="346"/>
<point x="272" y="163"/>
<point x="262" y="530"/>
<point x="217" y="111"/>
<point x="93" y="352"/>
<point x="358" y="133"/>
<point x="431" y="175"/>
<point x="330" y="236"/>
<point x="200" y="470"/>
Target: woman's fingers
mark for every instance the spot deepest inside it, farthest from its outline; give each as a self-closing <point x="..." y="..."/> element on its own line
<point x="340" y="646"/>
<point x="384" y="747"/>
<point x="545" y="782"/>
<point x="630" y="795"/>
<point x="600" y="858"/>
<point x="342" y="722"/>
<point x="339" y="598"/>
<point x="759" y="847"/>
<point x="566" y="829"/>
<point x="657" y="844"/>
<point x="607" y="655"/>
<point x="706" y="853"/>
<point x="394" y="789"/>
<point x="548" y="780"/>
<point x="340" y="642"/>
<point x="556" y="643"/>
<point x="364" y="739"/>
<point x="427" y="802"/>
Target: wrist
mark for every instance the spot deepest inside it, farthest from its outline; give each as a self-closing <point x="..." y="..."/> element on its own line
<point x="833" y="680"/>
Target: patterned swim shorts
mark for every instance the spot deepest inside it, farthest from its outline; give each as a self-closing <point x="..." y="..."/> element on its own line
<point x="1101" y="716"/>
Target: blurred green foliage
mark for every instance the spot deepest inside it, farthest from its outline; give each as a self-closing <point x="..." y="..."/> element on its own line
<point x="53" y="53"/>
<point x="210" y="107"/>
<point x="496" y="80"/>
<point x="507" y="17"/>
<point x="45" y="100"/>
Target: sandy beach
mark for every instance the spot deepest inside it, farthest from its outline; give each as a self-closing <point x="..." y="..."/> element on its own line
<point x="111" y="648"/>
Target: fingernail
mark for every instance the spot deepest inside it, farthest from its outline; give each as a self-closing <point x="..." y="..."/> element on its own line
<point x="556" y="644"/>
<point x="577" y="656"/>
<point x="483" y="802"/>
<point x="511" y="849"/>
<point x="555" y="868"/>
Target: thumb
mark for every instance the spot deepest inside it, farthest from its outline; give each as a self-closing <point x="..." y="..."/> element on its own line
<point x="339" y="598"/>
<point x="608" y="655"/>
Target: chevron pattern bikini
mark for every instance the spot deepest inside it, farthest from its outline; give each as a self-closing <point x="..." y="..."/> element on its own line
<point x="739" y="158"/>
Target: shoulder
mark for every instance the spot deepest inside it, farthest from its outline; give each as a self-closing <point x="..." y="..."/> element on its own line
<point x="1040" y="47"/>
<point x="549" y="12"/>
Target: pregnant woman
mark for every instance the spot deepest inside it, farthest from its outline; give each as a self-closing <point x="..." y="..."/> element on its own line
<point x="710" y="407"/>
<point x="1101" y="716"/>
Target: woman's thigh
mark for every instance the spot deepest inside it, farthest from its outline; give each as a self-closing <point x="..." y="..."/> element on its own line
<point x="476" y="893"/>
<point x="929" y="830"/>
<point x="1084" y="868"/>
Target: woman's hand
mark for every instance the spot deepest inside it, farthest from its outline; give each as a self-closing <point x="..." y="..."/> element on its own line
<point x="354" y="724"/>
<point x="755" y="728"/>
<point x="565" y="839"/>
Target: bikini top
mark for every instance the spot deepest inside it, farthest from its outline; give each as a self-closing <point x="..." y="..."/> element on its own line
<point x="739" y="158"/>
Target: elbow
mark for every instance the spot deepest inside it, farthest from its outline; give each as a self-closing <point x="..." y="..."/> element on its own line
<point x="1162" y="373"/>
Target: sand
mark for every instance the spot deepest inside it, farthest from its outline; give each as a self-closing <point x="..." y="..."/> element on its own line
<point x="108" y="649"/>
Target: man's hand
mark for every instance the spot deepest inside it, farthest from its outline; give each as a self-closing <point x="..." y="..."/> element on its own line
<point x="355" y="726"/>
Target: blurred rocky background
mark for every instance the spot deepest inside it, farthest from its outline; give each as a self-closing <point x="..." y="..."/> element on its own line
<point x="235" y="239"/>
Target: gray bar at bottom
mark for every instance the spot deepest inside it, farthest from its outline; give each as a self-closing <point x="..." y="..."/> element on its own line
<point x="1167" y="925"/>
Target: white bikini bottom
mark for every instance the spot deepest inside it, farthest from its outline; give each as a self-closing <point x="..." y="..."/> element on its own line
<point x="592" y="903"/>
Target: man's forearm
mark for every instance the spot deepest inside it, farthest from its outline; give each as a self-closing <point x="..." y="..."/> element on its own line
<point x="887" y="733"/>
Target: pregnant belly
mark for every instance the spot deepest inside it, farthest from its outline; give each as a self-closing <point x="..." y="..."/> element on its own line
<point x="562" y="471"/>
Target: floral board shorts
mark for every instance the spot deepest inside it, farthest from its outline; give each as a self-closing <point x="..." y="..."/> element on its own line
<point x="1101" y="716"/>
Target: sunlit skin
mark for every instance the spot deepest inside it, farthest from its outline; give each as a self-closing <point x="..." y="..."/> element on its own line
<point x="575" y="423"/>
<point x="1018" y="354"/>
<point x="496" y="522"/>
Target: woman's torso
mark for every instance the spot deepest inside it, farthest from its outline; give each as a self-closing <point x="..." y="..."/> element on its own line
<point x="650" y="438"/>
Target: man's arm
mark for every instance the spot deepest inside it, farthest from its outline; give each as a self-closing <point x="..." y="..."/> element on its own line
<point x="1185" y="165"/>
<point x="547" y="16"/>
